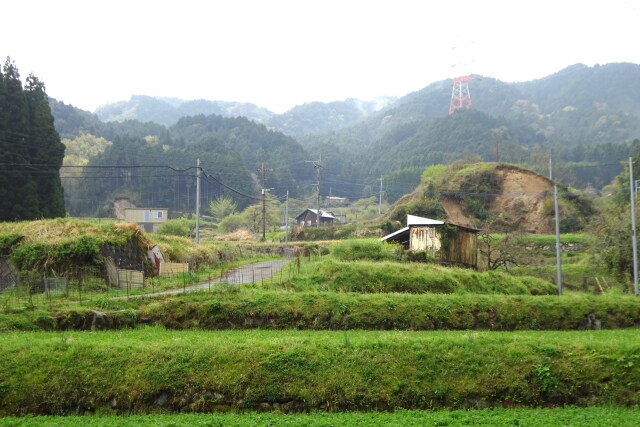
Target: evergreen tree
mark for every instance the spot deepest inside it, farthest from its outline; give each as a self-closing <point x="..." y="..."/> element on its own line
<point x="30" y="152"/>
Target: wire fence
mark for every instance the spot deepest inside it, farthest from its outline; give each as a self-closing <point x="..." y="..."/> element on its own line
<point x="32" y="287"/>
<point x="20" y="289"/>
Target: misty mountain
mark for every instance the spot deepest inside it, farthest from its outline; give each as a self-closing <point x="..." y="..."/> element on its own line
<point x="614" y="87"/>
<point x="585" y="115"/>
<point x="309" y="118"/>
<point x="573" y="113"/>
<point x="320" y="117"/>
<point x="167" y="111"/>
<point x="577" y="105"/>
<point x="71" y="122"/>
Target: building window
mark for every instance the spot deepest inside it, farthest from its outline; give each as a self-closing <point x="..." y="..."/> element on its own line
<point x="157" y="214"/>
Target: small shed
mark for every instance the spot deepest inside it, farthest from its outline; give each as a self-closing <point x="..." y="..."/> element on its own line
<point x="310" y="217"/>
<point x="149" y="219"/>
<point x="430" y="235"/>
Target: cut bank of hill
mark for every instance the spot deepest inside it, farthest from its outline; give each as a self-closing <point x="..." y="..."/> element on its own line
<point x="501" y="196"/>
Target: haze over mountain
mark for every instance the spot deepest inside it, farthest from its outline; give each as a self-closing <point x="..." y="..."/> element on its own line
<point x="313" y="117"/>
<point x="587" y="117"/>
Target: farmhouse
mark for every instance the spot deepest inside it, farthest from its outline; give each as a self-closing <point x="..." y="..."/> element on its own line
<point x="310" y="216"/>
<point x="449" y="243"/>
<point x="149" y="219"/>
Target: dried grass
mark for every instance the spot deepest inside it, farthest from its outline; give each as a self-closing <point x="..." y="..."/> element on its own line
<point x="50" y="231"/>
<point x="238" y="235"/>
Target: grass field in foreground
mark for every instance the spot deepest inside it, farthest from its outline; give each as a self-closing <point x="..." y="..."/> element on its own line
<point x="154" y="370"/>
<point x="571" y="416"/>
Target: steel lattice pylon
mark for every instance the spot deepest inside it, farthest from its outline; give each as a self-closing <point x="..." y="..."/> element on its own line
<point x="460" y="96"/>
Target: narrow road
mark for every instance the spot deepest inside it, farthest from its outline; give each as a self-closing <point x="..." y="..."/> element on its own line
<point x="250" y="273"/>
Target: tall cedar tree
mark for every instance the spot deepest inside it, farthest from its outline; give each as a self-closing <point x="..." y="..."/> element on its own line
<point x="31" y="152"/>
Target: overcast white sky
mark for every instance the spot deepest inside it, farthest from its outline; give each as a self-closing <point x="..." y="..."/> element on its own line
<point x="281" y="53"/>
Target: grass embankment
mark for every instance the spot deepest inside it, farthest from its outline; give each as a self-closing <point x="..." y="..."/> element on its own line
<point x="361" y="285"/>
<point x="152" y="370"/>
<point x="387" y="276"/>
<point x="571" y="416"/>
<point x="246" y="309"/>
<point x="336" y="311"/>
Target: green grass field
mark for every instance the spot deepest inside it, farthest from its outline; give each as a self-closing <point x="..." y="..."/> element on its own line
<point x="355" y="337"/>
<point x="570" y="416"/>
<point x="155" y="370"/>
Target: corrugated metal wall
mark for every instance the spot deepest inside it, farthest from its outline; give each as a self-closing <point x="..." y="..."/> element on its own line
<point x="424" y="238"/>
<point x="463" y="248"/>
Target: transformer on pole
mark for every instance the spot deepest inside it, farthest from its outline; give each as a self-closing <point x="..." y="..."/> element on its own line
<point x="460" y="96"/>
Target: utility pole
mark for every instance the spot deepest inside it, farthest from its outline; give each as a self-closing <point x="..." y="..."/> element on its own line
<point x="264" y="171"/>
<point x="286" y="221"/>
<point x="317" y="164"/>
<point x="634" y="238"/>
<point x="198" y="201"/>
<point x="380" y="203"/>
<point x="558" y="247"/>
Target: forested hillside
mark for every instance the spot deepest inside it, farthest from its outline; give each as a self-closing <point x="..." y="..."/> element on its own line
<point x="309" y="118"/>
<point x="71" y="122"/>
<point x="583" y="118"/>
<point x="30" y="150"/>
<point x="159" y="170"/>
<point x="167" y="111"/>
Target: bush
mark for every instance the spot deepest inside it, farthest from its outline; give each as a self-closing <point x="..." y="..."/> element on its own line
<point x="62" y="256"/>
<point x="182" y="227"/>
<point x="371" y="249"/>
<point x="8" y="241"/>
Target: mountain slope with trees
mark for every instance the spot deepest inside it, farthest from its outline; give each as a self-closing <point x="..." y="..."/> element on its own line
<point x="506" y="123"/>
<point x="167" y="111"/>
<point x="160" y="170"/>
<point x="587" y="133"/>
<point x="309" y="118"/>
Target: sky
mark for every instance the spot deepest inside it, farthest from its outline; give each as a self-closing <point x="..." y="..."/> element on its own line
<point x="283" y="53"/>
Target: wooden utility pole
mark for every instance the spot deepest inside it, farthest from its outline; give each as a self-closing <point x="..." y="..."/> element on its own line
<point x="317" y="164"/>
<point x="380" y="202"/>
<point x="558" y="247"/>
<point x="634" y="238"/>
<point x="264" y="171"/>
<point x="286" y="221"/>
<point x="198" y="201"/>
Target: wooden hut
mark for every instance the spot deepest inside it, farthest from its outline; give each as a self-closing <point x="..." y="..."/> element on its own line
<point x="449" y="243"/>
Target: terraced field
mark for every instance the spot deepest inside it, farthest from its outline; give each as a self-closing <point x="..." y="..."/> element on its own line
<point x="328" y="342"/>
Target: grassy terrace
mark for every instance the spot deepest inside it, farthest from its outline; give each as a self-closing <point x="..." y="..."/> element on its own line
<point x="347" y="334"/>
<point x="231" y="308"/>
<point x="152" y="369"/>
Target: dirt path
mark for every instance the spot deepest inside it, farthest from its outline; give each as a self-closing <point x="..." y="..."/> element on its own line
<point x="249" y="273"/>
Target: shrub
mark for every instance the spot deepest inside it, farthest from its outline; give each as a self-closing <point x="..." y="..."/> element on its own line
<point x="177" y="227"/>
<point x="372" y="249"/>
<point x="81" y="251"/>
<point x="8" y="241"/>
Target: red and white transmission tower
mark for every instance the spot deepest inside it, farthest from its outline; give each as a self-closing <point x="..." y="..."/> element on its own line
<point x="460" y="96"/>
